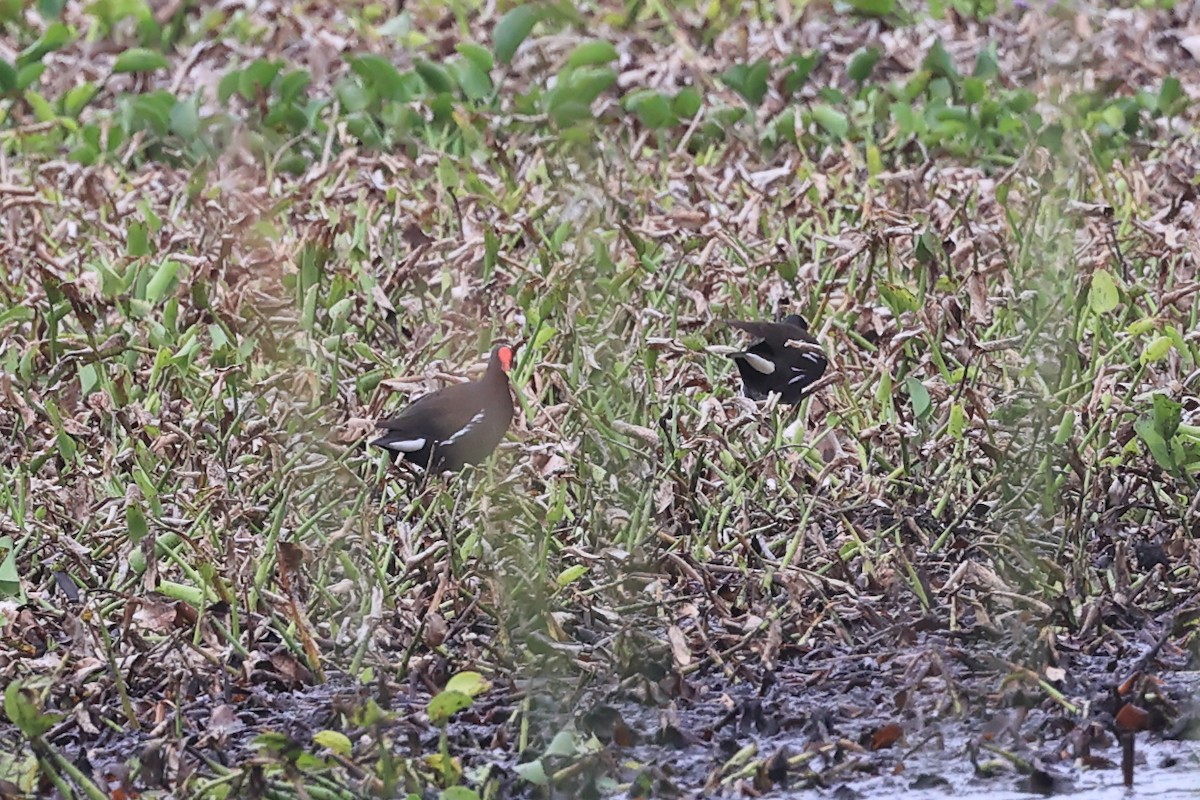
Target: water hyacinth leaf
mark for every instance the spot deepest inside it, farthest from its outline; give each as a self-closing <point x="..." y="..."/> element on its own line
<point x="512" y="29"/>
<point x="8" y="77"/>
<point x="534" y="772"/>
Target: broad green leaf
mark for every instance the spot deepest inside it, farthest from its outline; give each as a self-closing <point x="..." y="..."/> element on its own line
<point x="512" y="29"/>
<point x="802" y="67"/>
<point x="477" y="54"/>
<point x="687" y="103"/>
<point x="10" y="579"/>
<point x="8" y="77"/>
<point x="459" y="793"/>
<point x="920" y="397"/>
<point x="446" y="704"/>
<point x="469" y="683"/>
<point x="862" y="62"/>
<point x="135" y="519"/>
<point x="1157" y="349"/>
<point x="379" y="74"/>
<point x="1154" y="441"/>
<point x="594" y="53"/>
<point x="55" y="36"/>
<point x="1168" y="415"/>
<point x="652" y="109"/>
<point x="873" y="8"/>
<point x="334" y="741"/>
<point x="139" y="59"/>
<point x="833" y="121"/>
<point x="571" y="574"/>
<point x="533" y="771"/>
<point x="1103" y="296"/>
<point x="161" y="281"/>
<point x="749" y="80"/>
<point x="958" y="421"/>
<point x="940" y="64"/>
<point x="435" y="75"/>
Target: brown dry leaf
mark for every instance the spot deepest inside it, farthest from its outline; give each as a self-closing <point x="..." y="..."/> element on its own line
<point x="681" y="653"/>
<point x="1132" y="718"/>
<point x="886" y="736"/>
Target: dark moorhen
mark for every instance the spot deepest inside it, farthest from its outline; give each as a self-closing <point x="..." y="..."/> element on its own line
<point x="769" y="365"/>
<point x="457" y="425"/>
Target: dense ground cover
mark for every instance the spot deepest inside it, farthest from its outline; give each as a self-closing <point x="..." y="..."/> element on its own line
<point x="234" y="234"/>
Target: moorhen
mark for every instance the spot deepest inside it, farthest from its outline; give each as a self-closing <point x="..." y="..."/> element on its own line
<point x="457" y="425"/>
<point x="769" y="365"/>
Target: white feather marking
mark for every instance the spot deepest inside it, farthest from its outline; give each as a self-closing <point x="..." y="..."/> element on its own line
<point x="402" y="446"/>
<point x="464" y="430"/>
<point x="760" y="364"/>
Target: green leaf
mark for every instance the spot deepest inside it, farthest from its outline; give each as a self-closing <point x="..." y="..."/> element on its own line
<point x="185" y="120"/>
<point x="939" y="63"/>
<point x="1066" y="427"/>
<point x="534" y="772"/>
<point x="21" y="711"/>
<point x="873" y="8"/>
<point x="8" y="77"/>
<point x="445" y="705"/>
<point x="1103" y="296"/>
<point x="459" y="793"/>
<point x="862" y="62"/>
<point x="139" y="59"/>
<point x="1168" y="414"/>
<point x="10" y="579"/>
<point x="958" y="421"/>
<point x="477" y="54"/>
<point x="1170" y="96"/>
<point x="55" y="36"/>
<point x="594" y="53"/>
<point x="898" y="297"/>
<point x="135" y="519"/>
<point x="651" y="107"/>
<point x="379" y="74"/>
<point x="257" y="77"/>
<point x="922" y="404"/>
<point x="435" y="76"/>
<point x="512" y="29"/>
<point x="1157" y="349"/>
<point x="749" y="80"/>
<point x="469" y="683"/>
<point x="833" y="121"/>
<point x="334" y="741"/>
<point x="161" y="281"/>
<point x="1155" y="443"/>
<point x="571" y="574"/>
<point x="476" y="84"/>
<point x="687" y="103"/>
<point x="802" y="67"/>
<point x="77" y="97"/>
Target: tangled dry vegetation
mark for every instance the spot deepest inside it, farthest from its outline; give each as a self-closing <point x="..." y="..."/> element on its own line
<point x="979" y="534"/>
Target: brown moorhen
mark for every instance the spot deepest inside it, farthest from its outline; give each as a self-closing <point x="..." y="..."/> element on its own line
<point x="457" y="425"/>
<point x="769" y="365"/>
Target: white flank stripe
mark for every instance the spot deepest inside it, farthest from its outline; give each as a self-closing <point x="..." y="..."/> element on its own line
<point x="464" y="430"/>
<point x="760" y="364"/>
<point x="404" y="445"/>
